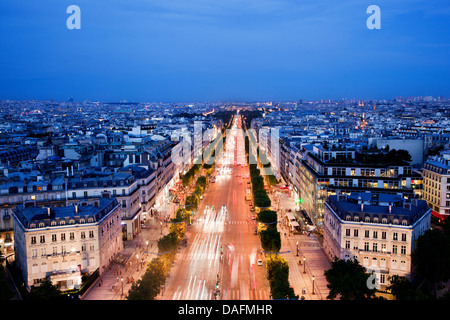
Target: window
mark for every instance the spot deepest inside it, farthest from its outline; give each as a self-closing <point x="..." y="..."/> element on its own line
<point x="383" y="247"/>
<point x="43" y="253"/>
<point x="394" y="249"/>
<point x="366" y="246"/>
<point x="62" y="223"/>
<point x="382" y="278"/>
<point x="53" y="237"/>
<point x="41" y="225"/>
<point x="375" y="234"/>
<point x="375" y="247"/>
<point x="34" y="253"/>
<point x="403" y="250"/>
<point x="83" y="235"/>
<point x="42" y="239"/>
<point x="347" y="244"/>
<point x="33" y="240"/>
<point x="55" y="251"/>
<point x="63" y="236"/>
<point x="83" y="247"/>
<point x="403" y="236"/>
<point x="366" y="233"/>
<point x="72" y="236"/>
<point x="395" y="236"/>
<point x="355" y="232"/>
<point x="347" y="232"/>
<point x="91" y="234"/>
<point x="383" y="235"/>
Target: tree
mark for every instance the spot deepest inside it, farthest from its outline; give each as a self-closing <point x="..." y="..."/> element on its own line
<point x="268" y="216"/>
<point x="46" y="291"/>
<point x="278" y="277"/>
<point x="431" y="257"/>
<point x="6" y="291"/>
<point x="149" y="286"/>
<point x="168" y="243"/>
<point x="402" y="289"/>
<point x="348" y="279"/>
<point x="270" y="239"/>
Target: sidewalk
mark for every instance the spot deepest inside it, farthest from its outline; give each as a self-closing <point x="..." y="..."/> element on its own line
<point x="109" y="285"/>
<point x="300" y="275"/>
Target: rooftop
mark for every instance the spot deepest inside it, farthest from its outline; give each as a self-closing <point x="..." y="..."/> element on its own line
<point x="32" y="214"/>
<point x="393" y="208"/>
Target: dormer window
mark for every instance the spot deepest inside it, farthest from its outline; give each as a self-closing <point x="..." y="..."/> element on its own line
<point x="53" y="223"/>
<point x="62" y="223"/>
<point x="82" y="221"/>
<point x="71" y="221"/>
<point x="41" y="225"/>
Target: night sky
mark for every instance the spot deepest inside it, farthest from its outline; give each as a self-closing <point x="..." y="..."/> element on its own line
<point x="223" y="50"/>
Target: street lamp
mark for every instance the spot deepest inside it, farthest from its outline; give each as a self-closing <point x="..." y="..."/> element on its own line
<point x="297" y="248"/>
<point x="137" y="262"/>
<point x="304" y="265"/>
<point x="313" y="278"/>
<point x="121" y="279"/>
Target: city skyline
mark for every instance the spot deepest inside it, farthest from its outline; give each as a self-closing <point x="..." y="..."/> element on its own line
<point x="224" y="51"/>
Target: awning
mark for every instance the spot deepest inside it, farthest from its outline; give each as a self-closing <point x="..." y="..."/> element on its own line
<point x="439" y="216"/>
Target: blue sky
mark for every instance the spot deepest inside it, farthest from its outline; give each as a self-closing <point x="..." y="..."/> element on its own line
<point x="204" y="50"/>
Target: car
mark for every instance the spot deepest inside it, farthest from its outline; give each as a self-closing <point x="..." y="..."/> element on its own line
<point x="259" y="262"/>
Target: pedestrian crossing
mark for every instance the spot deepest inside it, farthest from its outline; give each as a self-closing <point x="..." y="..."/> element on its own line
<point x="227" y="294"/>
<point x="236" y="294"/>
<point x="241" y="222"/>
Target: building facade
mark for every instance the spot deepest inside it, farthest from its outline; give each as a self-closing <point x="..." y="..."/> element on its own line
<point x="379" y="230"/>
<point x="62" y="243"/>
<point x="436" y="189"/>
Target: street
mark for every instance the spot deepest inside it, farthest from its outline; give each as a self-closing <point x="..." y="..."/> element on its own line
<point x="222" y="244"/>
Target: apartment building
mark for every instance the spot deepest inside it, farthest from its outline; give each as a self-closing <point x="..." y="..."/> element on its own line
<point x="436" y="185"/>
<point x="379" y="230"/>
<point x="62" y="243"/>
<point x="91" y="185"/>
<point x="326" y="171"/>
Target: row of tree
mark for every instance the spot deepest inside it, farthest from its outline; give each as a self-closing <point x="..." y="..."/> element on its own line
<point x="277" y="267"/>
<point x="149" y="286"/>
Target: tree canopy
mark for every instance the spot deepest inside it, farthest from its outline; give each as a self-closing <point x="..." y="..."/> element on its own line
<point x="348" y="279"/>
